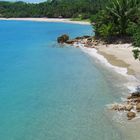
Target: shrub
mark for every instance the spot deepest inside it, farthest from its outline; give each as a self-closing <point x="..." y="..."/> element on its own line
<point x="136" y="37"/>
<point x="136" y="53"/>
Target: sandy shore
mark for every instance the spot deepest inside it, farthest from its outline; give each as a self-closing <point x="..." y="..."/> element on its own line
<point x="63" y="20"/>
<point x="121" y="55"/>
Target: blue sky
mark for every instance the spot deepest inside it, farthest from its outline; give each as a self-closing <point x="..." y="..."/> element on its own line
<point x="32" y="1"/>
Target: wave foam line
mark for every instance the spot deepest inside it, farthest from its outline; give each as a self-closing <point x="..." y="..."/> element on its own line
<point x="133" y="82"/>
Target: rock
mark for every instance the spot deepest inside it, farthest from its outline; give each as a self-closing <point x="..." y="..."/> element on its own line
<point x="128" y="107"/>
<point x="90" y="38"/>
<point x="131" y="115"/>
<point x="135" y="94"/>
<point x="83" y="37"/>
<point x="138" y="107"/>
<point x="136" y="100"/>
<point x="86" y="36"/>
<point x="63" y="38"/>
<point x="71" y="41"/>
<point x="129" y="97"/>
<point x="119" y="107"/>
<point x="79" y="37"/>
<point x="115" y="107"/>
<point x="87" y="46"/>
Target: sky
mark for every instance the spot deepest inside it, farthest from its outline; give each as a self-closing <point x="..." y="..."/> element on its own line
<point x="31" y="1"/>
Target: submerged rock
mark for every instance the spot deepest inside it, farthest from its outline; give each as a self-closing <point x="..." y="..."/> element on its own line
<point x="63" y="38"/>
<point x="131" y="115"/>
<point x="135" y="94"/>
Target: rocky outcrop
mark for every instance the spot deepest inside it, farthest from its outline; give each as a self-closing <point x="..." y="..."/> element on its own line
<point x="71" y="41"/>
<point x="118" y="107"/>
<point x="63" y="38"/>
<point x="86" y="41"/>
<point x="83" y="37"/>
<point x="131" y="115"/>
<point x="122" y="107"/>
<point x="135" y="95"/>
<point x="128" y="107"/>
<point x="138" y="107"/>
<point x="131" y="105"/>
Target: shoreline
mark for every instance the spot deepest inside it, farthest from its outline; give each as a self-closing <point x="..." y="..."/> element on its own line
<point x="120" y="59"/>
<point x="121" y="55"/>
<point x="60" y="20"/>
<point x="118" y="56"/>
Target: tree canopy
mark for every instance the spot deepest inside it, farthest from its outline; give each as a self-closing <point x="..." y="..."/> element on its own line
<point x="51" y="8"/>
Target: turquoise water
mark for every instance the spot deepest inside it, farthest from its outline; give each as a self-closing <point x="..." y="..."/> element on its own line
<point x="48" y="92"/>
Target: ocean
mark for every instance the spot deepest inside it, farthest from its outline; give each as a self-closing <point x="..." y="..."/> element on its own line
<point x="53" y="92"/>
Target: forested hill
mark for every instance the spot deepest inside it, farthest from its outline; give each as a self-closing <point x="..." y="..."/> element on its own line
<point x="52" y="8"/>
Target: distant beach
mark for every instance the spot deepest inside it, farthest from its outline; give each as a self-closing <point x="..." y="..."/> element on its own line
<point x="63" y="20"/>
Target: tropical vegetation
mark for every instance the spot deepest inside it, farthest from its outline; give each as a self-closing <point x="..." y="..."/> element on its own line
<point x="52" y="8"/>
<point x="119" y="21"/>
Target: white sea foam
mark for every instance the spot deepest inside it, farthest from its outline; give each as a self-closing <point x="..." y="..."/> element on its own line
<point x="131" y="85"/>
<point x="93" y="52"/>
<point x="132" y="81"/>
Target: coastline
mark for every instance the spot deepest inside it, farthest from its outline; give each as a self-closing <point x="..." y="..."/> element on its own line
<point x="119" y="58"/>
<point x="62" y="20"/>
<point x="121" y="55"/>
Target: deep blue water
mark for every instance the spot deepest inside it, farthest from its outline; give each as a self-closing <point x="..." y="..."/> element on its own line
<point x="48" y="92"/>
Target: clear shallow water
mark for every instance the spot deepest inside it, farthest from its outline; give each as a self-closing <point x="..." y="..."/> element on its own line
<point x="48" y="92"/>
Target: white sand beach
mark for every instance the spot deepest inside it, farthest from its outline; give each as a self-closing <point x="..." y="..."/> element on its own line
<point x="63" y="20"/>
<point x="121" y="55"/>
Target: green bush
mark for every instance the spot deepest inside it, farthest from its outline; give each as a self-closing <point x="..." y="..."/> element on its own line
<point x="136" y="37"/>
<point x="106" y="30"/>
<point x="136" y="53"/>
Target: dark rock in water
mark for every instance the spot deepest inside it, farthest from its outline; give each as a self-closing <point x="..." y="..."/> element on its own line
<point x="135" y="94"/>
<point x="86" y="36"/>
<point x="71" y="41"/>
<point x="131" y="115"/>
<point x="136" y="100"/>
<point x="63" y="38"/>
<point x="83" y="37"/>
<point x="79" y="37"/>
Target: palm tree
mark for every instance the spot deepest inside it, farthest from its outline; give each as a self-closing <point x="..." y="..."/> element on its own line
<point x="121" y="12"/>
